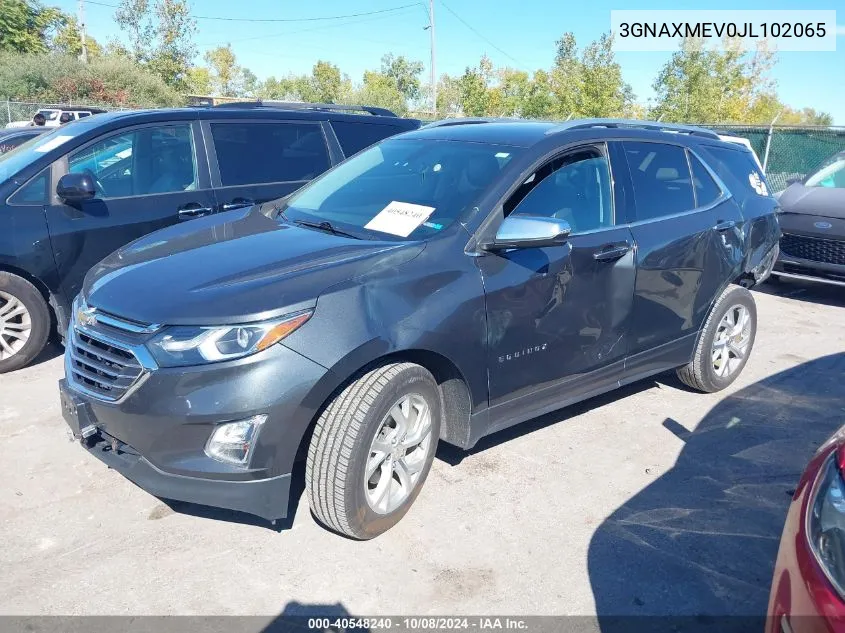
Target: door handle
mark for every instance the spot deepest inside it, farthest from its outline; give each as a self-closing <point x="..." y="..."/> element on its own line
<point x="725" y="225"/>
<point x="193" y="210"/>
<point x="237" y="203"/>
<point x="611" y="251"/>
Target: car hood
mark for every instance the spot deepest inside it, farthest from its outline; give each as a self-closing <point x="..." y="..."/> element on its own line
<point x="233" y="267"/>
<point x="823" y="201"/>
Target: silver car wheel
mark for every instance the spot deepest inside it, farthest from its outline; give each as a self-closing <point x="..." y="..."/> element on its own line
<point x="730" y="345"/>
<point x="398" y="453"/>
<point x="15" y="325"/>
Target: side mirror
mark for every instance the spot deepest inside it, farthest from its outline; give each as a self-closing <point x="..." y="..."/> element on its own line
<point x="76" y="187"/>
<point x="528" y="231"/>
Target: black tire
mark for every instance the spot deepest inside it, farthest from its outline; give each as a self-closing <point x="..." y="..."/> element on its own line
<point x="39" y="315"/>
<point x="700" y="373"/>
<point x="340" y="448"/>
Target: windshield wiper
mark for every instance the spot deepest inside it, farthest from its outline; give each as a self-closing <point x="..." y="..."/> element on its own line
<point x="325" y="225"/>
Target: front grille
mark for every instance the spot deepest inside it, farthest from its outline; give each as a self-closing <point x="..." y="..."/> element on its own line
<point x="815" y="249"/>
<point x="103" y="369"/>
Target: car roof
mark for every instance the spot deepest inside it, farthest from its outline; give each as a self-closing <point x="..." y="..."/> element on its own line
<point x="235" y="112"/>
<point x="527" y="133"/>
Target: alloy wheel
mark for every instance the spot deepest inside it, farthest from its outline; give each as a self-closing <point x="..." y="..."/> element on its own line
<point x="730" y="345"/>
<point x="15" y="325"/>
<point x="398" y="453"/>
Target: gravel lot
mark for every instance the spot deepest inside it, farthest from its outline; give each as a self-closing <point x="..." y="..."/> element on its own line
<point x="651" y="500"/>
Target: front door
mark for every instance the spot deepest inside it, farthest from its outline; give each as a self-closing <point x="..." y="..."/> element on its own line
<point x="146" y="177"/>
<point x="557" y="314"/>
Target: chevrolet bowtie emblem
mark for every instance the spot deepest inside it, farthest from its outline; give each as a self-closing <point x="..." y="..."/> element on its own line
<point x="87" y="316"/>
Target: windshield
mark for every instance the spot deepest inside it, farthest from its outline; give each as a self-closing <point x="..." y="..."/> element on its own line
<point x="401" y="188"/>
<point x="14" y="161"/>
<point x="830" y="174"/>
<point x="50" y="115"/>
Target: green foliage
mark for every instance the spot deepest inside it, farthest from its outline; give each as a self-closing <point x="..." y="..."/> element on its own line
<point x="160" y="34"/>
<point x="68" y="41"/>
<point x="26" y="25"/>
<point x="404" y="73"/>
<point x="63" y="79"/>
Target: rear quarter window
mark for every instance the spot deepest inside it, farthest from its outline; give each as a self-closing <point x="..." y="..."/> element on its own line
<point x="353" y="137"/>
<point x="738" y="170"/>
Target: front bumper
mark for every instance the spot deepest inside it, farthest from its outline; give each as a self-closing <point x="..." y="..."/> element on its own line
<point x="156" y="434"/>
<point x="266" y="498"/>
<point x="812" y="248"/>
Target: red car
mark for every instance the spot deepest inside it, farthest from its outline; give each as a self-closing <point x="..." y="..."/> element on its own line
<point x="809" y="580"/>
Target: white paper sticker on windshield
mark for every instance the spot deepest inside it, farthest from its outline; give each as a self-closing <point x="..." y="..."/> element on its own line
<point x="399" y="218"/>
<point x="53" y="143"/>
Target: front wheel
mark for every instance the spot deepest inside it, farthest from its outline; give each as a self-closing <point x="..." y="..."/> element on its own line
<point x="725" y="342"/>
<point x="24" y="322"/>
<point x="372" y="450"/>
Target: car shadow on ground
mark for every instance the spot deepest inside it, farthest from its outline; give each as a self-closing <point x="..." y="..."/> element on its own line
<point x="702" y="539"/>
<point x="811" y="292"/>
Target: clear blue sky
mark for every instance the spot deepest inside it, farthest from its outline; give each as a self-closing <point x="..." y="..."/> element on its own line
<point x="525" y="33"/>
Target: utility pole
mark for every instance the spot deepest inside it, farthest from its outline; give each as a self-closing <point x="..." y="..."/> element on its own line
<point x="433" y="58"/>
<point x="84" y="56"/>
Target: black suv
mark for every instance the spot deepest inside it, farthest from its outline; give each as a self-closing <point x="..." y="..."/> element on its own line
<point x="71" y="197"/>
<point x="442" y="285"/>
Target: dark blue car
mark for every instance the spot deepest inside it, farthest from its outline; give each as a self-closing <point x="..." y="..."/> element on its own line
<point x="71" y="197"/>
<point x="442" y="285"/>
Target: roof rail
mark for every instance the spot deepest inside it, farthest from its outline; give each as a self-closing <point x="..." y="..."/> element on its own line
<point x="657" y="126"/>
<point x="469" y="121"/>
<point x="296" y="105"/>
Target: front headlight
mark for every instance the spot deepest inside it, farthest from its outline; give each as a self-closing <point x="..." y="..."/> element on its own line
<point x="826" y="524"/>
<point x="187" y="345"/>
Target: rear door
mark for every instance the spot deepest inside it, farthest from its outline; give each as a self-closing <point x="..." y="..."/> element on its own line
<point x="147" y="177"/>
<point x="688" y="234"/>
<point x="255" y="161"/>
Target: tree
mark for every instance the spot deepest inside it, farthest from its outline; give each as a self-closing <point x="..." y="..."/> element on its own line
<point x="326" y="82"/>
<point x="379" y="89"/>
<point x="603" y="92"/>
<point x="198" y="81"/>
<point x="68" y="40"/>
<point x="115" y="81"/>
<point x="160" y="35"/>
<point x="716" y="86"/>
<point x="405" y="74"/>
<point x="225" y="74"/>
<point x="26" y="25"/>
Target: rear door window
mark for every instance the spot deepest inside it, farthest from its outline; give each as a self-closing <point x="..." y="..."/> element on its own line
<point x="353" y="137"/>
<point x="706" y="189"/>
<point x="737" y="169"/>
<point x="255" y="153"/>
<point x="661" y="178"/>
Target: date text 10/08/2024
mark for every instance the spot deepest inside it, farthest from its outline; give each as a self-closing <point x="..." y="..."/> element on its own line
<point x="417" y="623"/>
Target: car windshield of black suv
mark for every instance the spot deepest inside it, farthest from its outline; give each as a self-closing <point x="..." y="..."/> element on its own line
<point x="401" y="188"/>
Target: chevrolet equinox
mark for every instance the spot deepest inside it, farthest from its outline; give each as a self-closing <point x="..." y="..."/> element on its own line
<point x="442" y="285"/>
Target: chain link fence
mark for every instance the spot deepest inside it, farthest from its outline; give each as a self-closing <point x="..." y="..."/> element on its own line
<point x="788" y="152"/>
<point x="14" y="111"/>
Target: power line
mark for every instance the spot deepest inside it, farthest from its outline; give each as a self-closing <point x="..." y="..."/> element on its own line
<point x="305" y="30"/>
<point x="470" y="27"/>
<point x="312" y="19"/>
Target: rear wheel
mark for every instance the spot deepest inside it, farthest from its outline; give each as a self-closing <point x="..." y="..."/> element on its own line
<point x="372" y="450"/>
<point x="24" y="322"/>
<point x="725" y="342"/>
